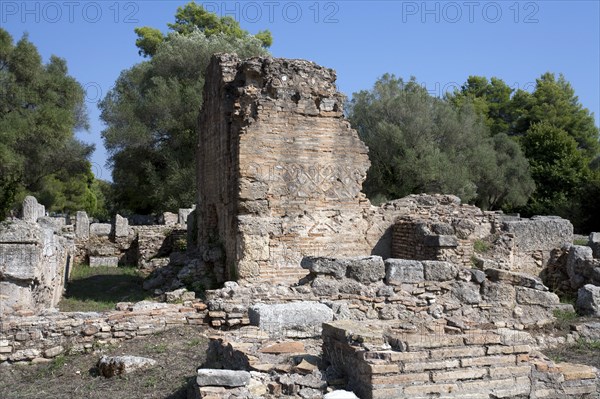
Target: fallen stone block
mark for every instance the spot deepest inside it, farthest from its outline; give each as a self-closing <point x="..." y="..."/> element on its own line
<point x="117" y="365"/>
<point x="529" y="296"/>
<point x="110" y="261"/>
<point x="588" y="300"/>
<point x="520" y="279"/>
<point x="222" y="378"/>
<point x="321" y="265"/>
<point x="301" y="319"/>
<point x="100" y="229"/>
<point x="400" y="271"/>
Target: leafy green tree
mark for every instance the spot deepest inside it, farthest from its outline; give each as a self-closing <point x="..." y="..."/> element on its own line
<point x="40" y="108"/>
<point x="554" y="102"/>
<point x="419" y="143"/>
<point x="491" y="98"/>
<point x="193" y="17"/>
<point x="557" y="166"/>
<point x="151" y="117"/>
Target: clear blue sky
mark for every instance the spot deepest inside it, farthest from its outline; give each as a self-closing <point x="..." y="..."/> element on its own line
<point x="441" y="43"/>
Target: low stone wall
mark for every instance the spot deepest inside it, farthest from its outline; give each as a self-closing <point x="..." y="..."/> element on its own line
<point x="416" y="292"/>
<point x="475" y="364"/>
<point x="465" y="235"/>
<point x="40" y="337"/>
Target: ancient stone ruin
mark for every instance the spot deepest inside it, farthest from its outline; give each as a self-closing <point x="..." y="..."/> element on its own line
<point x="322" y="294"/>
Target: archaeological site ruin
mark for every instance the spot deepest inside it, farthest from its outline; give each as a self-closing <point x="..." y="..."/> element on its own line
<point x="309" y="290"/>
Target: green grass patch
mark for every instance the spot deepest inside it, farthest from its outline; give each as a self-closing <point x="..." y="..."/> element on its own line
<point x="481" y="247"/>
<point x="564" y="318"/>
<point x="96" y="289"/>
<point x="580" y="241"/>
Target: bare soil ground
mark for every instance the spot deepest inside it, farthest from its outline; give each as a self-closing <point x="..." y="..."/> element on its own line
<point x="179" y="352"/>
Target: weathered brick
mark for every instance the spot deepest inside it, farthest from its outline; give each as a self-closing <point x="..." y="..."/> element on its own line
<point x="408" y="356"/>
<point x="422" y="366"/>
<point x="576" y="371"/>
<point x="420" y="341"/>
<point x="488" y="360"/>
<point x="429" y="389"/>
<point x="462" y="374"/>
<point x="468" y="351"/>
<point x="506" y="350"/>
<point x="509" y="371"/>
<point x="398" y="378"/>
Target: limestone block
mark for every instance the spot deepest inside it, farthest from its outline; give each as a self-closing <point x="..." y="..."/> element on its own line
<point x="301" y="318"/>
<point x="223" y="378"/>
<point x="100" y="229"/>
<point x="529" y="296"/>
<point x="110" y="366"/>
<point x="82" y="225"/>
<point x="322" y="265"/>
<point x="439" y="270"/>
<point x="400" y="271"/>
<point x="588" y="300"/>
<point x="169" y="219"/>
<point x="121" y="226"/>
<point x="466" y="292"/>
<point x="32" y="210"/>
<point x="366" y="269"/>
<point x="182" y="215"/>
<point x="110" y="261"/>
<point x="440" y="241"/>
<point x="539" y="233"/>
<point x="520" y="279"/>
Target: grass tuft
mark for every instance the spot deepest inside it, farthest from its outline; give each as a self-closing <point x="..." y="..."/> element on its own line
<point x="97" y="289"/>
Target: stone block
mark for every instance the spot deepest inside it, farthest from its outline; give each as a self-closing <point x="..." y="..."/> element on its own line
<point x="32" y="210"/>
<point x="440" y="241"/>
<point x="183" y="214"/>
<point x="168" y="219"/>
<point x="488" y="361"/>
<point x="110" y="366"/>
<point x="529" y="296"/>
<point x="439" y="270"/>
<point x="110" y="261"/>
<point x="366" y="269"/>
<point x="466" y="292"/>
<point x="519" y="279"/>
<point x="100" y="229"/>
<point x="82" y="225"/>
<point x="457" y="375"/>
<point x="401" y="271"/>
<point x="539" y="233"/>
<point x="302" y="319"/>
<point x="121" y="226"/>
<point x="223" y="378"/>
<point x="588" y="300"/>
<point x="335" y="267"/>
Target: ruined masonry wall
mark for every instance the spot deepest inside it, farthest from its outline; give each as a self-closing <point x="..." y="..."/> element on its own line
<point x="476" y="364"/>
<point x="280" y="170"/>
<point x="46" y="336"/>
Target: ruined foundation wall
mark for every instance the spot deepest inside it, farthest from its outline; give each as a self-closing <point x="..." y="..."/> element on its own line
<point x="280" y="170"/>
<point x="34" y="264"/>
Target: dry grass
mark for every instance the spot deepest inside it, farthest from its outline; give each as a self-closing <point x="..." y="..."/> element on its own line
<point x="179" y="352"/>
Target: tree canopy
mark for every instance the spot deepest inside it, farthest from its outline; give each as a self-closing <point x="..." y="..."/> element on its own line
<point x="151" y="113"/>
<point x="41" y="107"/>
<point x="419" y="143"/>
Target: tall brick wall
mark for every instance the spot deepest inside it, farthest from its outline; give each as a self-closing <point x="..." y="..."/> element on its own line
<point x="280" y="169"/>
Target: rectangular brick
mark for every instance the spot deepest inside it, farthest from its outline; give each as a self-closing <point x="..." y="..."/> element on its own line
<point x="576" y="371"/>
<point x="514" y="386"/>
<point x="418" y="341"/>
<point x="429" y="389"/>
<point x="398" y="379"/>
<point x="488" y="360"/>
<point x="439" y="365"/>
<point x="462" y="374"/>
<point x="408" y="356"/>
<point x="507" y="350"/>
<point x="467" y="351"/>
<point x="367" y="368"/>
<point x="482" y="338"/>
<point x="510" y="371"/>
